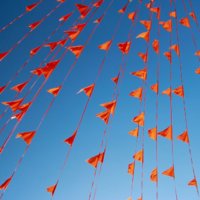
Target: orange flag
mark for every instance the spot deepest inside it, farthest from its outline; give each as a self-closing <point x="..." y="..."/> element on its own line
<point x="156" y="46"/>
<point x="193" y="15"/>
<point x="3" y="55"/>
<point x="76" y="50"/>
<point x="153" y="133"/>
<point x="124" y="47"/>
<point x="34" y="25"/>
<point x="134" y="132"/>
<point x="99" y="158"/>
<point x="31" y="7"/>
<point x="104" y="116"/>
<point x="48" y="69"/>
<point x="154" y="88"/>
<point x="168" y="56"/>
<point x="70" y="140"/>
<point x="179" y="91"/>
<point x="83" y="10"/>
<point x="98" y="3"/>
<point x="154" y="175"/>
<point x="139" y="119"/>
<point x="146" y="23"/>
<point x="54" y="91"/>
<point x="169" y="172"/>
<point x="132" y="16"/>
<point x="144" y="35"/>
<point x="106" y="45"/>
<point x="167" y="25"/>
<point x="2" y="88"/>
<point x="5" y="184"/>
<point x="139" y="156"/>
<point x="137" y="93"/>
<point x="183" y="137"/>
<point x="167" y="133"/>
<point x="143" y="56"/>
<point x="185" y="22"/>
<point x="19" y="87"/>
<point x="13" y="104"/>
<point x="88" y="90"/>
<point x="35" y="50"/>
<point x="197" y="53"/>
<point x="173" y="14"/>
<point x="65" y="17"/>
<point x="141" y="73"/>
<point x="176" y="48"/>
<point x="157" y="11"/>
<point x="73" y="34"/>
<point x="110" y="106"/>
<point x="168" y="91"/>
<point x="25" y="106"/>
<point x="131" y="168"/>
<point x="197" y="71"/>
<point x="26" y="136"/>
<point x="193" y="182"/>
<point x="52" y="189"/>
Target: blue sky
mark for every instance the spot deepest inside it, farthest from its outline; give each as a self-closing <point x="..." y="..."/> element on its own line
<point x="41" y="165"/>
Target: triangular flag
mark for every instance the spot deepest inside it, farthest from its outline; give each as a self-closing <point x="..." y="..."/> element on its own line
<point x="141" y="73"/>
<point x="146" y="23"/>
<point x="2" y="88"/>
<point x="179" y="91"/>
<point x="175" y="47"/>
<point x="183" y="137"/>
<point x="76" y="50"/>
<point x="155" y="88"/>
<point x="83" y="10"/>
<point x="52" y="189"/>
<point x="98" y="21"/>
<point x="193" y="15"/>
<point x="70" y="140"/>
<point x="31" y="7"/>
<point x="131" y="168"/>
<point x="173" y="14"/>
<point x="13" y="104"/>
<point x="54" y="91"/>
<point x="143" y="56"/>
<point x="87" y="90"/>
<point x="168" y="56"/>
<point x="65" y="17"/>
<point x="132" y="16"/>
<point x="154" y="175"/>
<point x="34" y="25"/>
<point x="139" y="156"/>
<point x="167" y="25"/>
<point x="104" y="116"/>
<point x="185" y="22"/>
<point x="169" y="172"/>
<point x="193" y="182"/>
<point x="110" y="106"/>
<point x="144" y="35"/>
<point x="98" y="3"/>
<point x="115" y="79"/>
<point x="153" y="133"/>
<point x="124" y="47"/>
<point x="168" y="91"/>
<point x="167" y="133"/>
<point x="35" y="50"/>
<point x="156" y="46"/>
<point x="157" y="11"/>
<point x="106" y="45"/>
<point x="26" y="136"/>
<point x="19" y="87"/>
<point x="99" y="158"/>
<point x="134" y="132"/>
<point x="123" y="10"/>
<point x="197" y="71"/>
<point x="137" y="93"/>
<point x="3" y="55"/>
<point x="5" y="184"/>
<point x="139" y="119"/>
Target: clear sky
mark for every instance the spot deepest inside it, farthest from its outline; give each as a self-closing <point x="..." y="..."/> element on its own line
<point x="41" y="165"/>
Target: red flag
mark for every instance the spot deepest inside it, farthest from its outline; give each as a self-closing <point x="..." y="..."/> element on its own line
<point x="76" y="50"/>
<point x="193" y="15"/>
<point x="83" y="9"/>
<point x="193" y="182"/>
<point x="154" y="88"/>
<point x="35" y="50"/>
<point x="110" y="106"/>
<point x="157" y="11"/>
<point x="146" y="23"/>
<point x="19" y="87"/>
<point x="65" y="17"/>
<point x="156" y="46"/>
<point x="116" y="79"/>
<point x="132" y="16"/>
<point x="34" y="25"/>
<point x="123" y="10"/>
<point x="5" y="184"/>
<point x="3" y="55"/>
<point x="176" y="48"/>
<point x="104" y="116"/>
<point x="167" y="133"/>
<point x="13" y="104"/>
<point x="48" y="69"/>
<point x="98" y="21"/>
<point x="179" y="91"/>
<point x="26" y="136"/>
<point x="73" y="34"/>
<point x="98" y="3"/>
<point x="169" y="172"/>
<point x="124" y="47"/>
<point x="183" y="137"/>
<point x="2" y="88"/>
<point x="168" y="56"/>
<point x="185" y="22"/>
<point x="99" y="158"/>
<point x="143" y="56"/>
<point x="31" y="7"/>
<point x="70" y="140"/>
